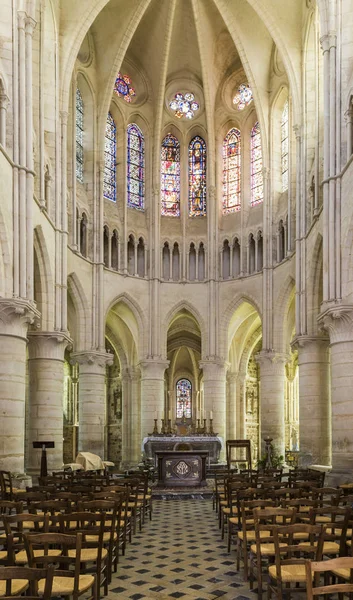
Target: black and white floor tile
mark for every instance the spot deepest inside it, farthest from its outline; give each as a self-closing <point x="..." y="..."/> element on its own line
<point x="179" y="554"/>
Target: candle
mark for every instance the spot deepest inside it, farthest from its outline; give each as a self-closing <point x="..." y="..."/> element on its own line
<point x="155" y="414"/>
<point x="162" y="415"/>
<point x="169" y="415"/>
<point x="211" y="414"/>
<point x="197" y="415"/>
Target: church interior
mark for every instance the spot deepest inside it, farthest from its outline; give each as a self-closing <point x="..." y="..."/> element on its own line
<point x="176" y="232"/>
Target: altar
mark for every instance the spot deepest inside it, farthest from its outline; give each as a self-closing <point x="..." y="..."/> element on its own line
<point x="205" y="443"/>
<point x="181" y="468"/>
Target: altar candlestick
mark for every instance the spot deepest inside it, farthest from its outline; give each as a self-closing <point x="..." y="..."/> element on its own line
<point x="169" y="415"/>
<point x="211" y="414"/>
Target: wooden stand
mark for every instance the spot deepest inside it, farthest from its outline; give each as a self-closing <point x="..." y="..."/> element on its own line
<point x="43" y="460"/>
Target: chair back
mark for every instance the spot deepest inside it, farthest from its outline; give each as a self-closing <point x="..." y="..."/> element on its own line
<point x="9" y="575"/>
<point x="313" y="570"/>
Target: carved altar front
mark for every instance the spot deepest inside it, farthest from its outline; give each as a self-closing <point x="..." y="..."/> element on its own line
<point x="181" y="468"/>
<point x="210" y="444"/>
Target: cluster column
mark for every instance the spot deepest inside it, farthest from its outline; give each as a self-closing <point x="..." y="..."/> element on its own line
<point x="15" y="316"/>
<point x="131" y="426"/>
<point x="338" y="321"/>
<point x="272" y="396"/>
<point x="314" y="399"/>
<point x="92" y="399"/>
<point x="152" y="392"/>
<point x="232" y="420"/>
<point x="46" y="385"/>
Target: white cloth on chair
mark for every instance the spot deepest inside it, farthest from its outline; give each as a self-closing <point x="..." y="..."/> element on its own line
<point x="89" y="461"/>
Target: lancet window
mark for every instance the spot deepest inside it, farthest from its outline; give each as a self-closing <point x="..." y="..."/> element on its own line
<point x="183" y="399"/>
<point x="135" y="167"/>
<point x="231" y="171"/>
<point x="285" y="146"/>
<point x="79" y="135"/>
<point x="257" y="181"/>
<point x="197" y="177"/>
<point x="170" y="176"/>
<point x="109" y="181"/>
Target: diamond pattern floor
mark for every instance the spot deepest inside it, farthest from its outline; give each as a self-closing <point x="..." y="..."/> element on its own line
<point x="179" y="554"/>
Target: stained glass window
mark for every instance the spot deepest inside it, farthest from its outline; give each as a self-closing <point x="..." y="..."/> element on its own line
<point x="123" y="87"/>
<point x="197" y="177"/>
<point x="109" y="181"/>
<point x="170" y="176"/>
<point x="135" y="167"/>
<point x="79" y="136"/>
<point x="184" y="105"/>
<point x="257" y="180"/>
<point x="231" y="171"/>
<point x="243" y="97"/>
<point x="183" y="399"/>
<point x="285" y="146"/>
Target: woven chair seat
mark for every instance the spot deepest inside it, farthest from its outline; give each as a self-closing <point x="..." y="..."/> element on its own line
<point x="18" y="492"/>
<point x="21" y="557"/>
<point x="17" y="587"/>
<point x="267" y="549"/>
<point x="126" y="514"/>
<point x="3" y="554"/>
<point x="344" y="573"/>
<point x="64" y="586"/>
<point x="30" y="525"/>
<point x="250" y="535"/>
<point x="227" y="510"/>
<point x="328" y="548"/>
<point x="106" y="537"/>
<point x="89" y="554"/>
<point x="290" y="573"/>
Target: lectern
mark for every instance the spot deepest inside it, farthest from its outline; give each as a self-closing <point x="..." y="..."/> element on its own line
<point x="43" y="460"/>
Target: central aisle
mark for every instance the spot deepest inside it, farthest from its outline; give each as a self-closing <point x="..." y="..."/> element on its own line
<point x="179" y="554"/>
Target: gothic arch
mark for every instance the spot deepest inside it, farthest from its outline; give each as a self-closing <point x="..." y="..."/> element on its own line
<point x="227" y="316"/>
<point x="315" y="277"/>
<point x="250" y="345"/>
<point x="137" y="312"/>
<point x="184" y="305"/>
<point x="5" y="259"/>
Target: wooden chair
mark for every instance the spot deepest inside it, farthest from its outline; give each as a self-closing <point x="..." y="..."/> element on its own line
<point x="16" y="527"/>
<point x="288" y="574"/>
<point x="266" y="520"/>
<point x="92" y="553"/>
<point x="66" y="582"/>
<point x="343" y="564"/>
<point x="8" y="491"/>
<point x="15" y="581"/>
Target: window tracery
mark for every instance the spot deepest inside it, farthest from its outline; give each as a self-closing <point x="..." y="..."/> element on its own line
<point x="135" y="167"/>
<point x="232" y="171"/>
<point x="170" y="176"/>
<point x="257" y="181"/>
<point x="197" y="177"/>
<point x="109" y="180"/>
<point x="243" y="97"/>
<point x="123" y="87"/>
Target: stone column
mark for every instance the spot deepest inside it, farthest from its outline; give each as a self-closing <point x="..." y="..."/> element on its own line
<point x="46" y="386"/>
<point x="232" y="420"/>
<point x="314" y="399"/>
<point x="131" y="441"/>
<point x="214" y="380"/>
<point x="272" y="396"/>
<point x="92" y="399"/>
<point x="15" y="316"/>
<point x="152" y="392"/>
<point x="338" y="321"/>
<point x="4" y="103"/>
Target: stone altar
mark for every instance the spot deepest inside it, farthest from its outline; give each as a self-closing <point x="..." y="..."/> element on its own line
<point x="184" y="468"/>
<point x="212" y="445"/>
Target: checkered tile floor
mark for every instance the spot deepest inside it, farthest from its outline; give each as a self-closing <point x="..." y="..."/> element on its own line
<point x="179" y="554"/>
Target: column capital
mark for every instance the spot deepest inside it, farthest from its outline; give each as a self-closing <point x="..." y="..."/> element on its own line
<point x="337" y="320"/>
<point x="17" y="313"/>
<point x="48" y="344"/>
<point x="297" y="132"/>
<point x="153" y="368"/>
<point x="304" y="341"/>
<point x="271" y="361"/>
<point x="30" y="25"/>
<point x="130" y="374"/>
<point x="232" y="377"/>
<point x="64" y="116"/>
<point x="213" y="367"/>
<point x="21" y="19"/>
<point x="348" y="115"/>
<point x="4" y="101"/>
<point x="328" y="41"/>
<point x="92" y="358"/>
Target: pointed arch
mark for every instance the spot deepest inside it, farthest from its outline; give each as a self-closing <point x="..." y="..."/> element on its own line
<point x="141" y="327"/>
<point x="282" y="328"/>
<point x="315" y="290"/>
<point x="228" y="313"/>
<point x="172" y="313"/>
